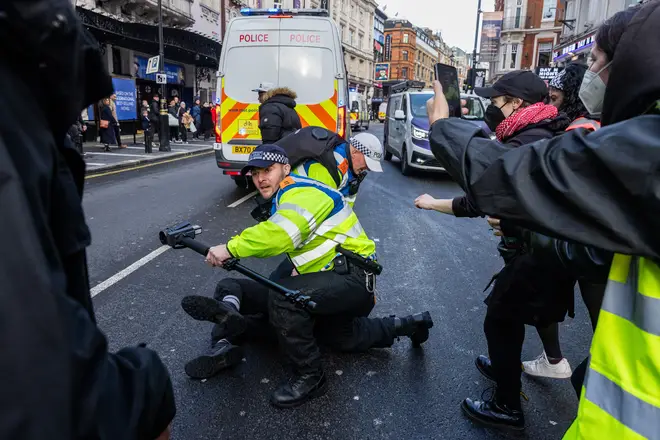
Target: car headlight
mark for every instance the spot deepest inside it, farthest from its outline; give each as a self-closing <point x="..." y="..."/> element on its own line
<point x="418" y="133"/>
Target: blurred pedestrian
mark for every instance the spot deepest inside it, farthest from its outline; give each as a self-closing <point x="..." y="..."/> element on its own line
<point x="106" y="125"/>
<point x="183" y="116"/>
<point x="59" y="381"/>
<point x="116" y="128"/>
<point x="148" y="132"/>
<point x="76" y="133"/>
<point x="277" y="114"/>
<point x="196" y="113"/>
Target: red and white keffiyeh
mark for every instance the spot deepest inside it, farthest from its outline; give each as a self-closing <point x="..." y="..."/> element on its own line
<point x="533" y="114"/>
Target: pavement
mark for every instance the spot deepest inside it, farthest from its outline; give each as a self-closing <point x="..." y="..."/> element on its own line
<point x="431" y="262"/>
<point x="133" y="155"/>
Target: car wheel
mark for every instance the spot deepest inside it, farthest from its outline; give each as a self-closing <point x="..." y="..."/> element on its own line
<point x="244" y="183"/>
<point x="406" y="169"/>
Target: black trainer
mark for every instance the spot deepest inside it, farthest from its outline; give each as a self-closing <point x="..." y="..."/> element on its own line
<point x="299" y="390"/>
<point x="493" y="414"/>
<point x="203" y="308"/>
<point x="416" y="327"/>
<point x="485" y="367"/>
<point x="222" y="355"/>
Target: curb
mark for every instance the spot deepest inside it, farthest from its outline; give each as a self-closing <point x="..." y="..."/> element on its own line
<point x="151" y="161"/>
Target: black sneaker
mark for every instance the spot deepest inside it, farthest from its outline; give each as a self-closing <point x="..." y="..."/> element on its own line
<point x="203" y="308"/>
<point x="222" y="355"/>
<point x="493" y="414"/>
<point x="299" y="390"/>
<point x="416" y="327"/>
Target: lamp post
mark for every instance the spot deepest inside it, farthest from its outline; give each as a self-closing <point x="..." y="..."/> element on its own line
<point x="476" y="38"/>
<point x="164" y="131"/>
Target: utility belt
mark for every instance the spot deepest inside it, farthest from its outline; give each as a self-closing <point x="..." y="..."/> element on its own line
<point x="347" y="262"/>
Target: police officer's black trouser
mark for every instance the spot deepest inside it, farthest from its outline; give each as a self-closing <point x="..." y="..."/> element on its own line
<point x="339" y="320"/>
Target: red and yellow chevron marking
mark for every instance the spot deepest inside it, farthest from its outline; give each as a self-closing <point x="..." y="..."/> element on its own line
<point x="241" y="120"/>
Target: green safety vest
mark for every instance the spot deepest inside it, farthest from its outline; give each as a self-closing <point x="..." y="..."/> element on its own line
<point x="620" y="397"/>
<point x="309" y="221"/>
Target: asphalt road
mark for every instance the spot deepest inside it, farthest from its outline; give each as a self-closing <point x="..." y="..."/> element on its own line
<point x="432" y="262"/>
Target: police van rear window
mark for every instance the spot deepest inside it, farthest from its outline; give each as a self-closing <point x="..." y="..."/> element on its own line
<point x="310" y="71"/>
<point x="246" y="68"/>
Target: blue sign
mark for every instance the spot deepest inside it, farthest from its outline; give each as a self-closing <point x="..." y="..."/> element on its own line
<point x="126" y="98"/>
<point x="174" y="72"/>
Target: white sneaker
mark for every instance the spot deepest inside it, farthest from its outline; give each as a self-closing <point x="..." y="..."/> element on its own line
<point x="541" y="367"/>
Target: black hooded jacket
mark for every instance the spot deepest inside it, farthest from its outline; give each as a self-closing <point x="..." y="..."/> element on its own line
<point x="601" y="189"/>
<point x="277" y="115"/>
<point x="59" y="381"/>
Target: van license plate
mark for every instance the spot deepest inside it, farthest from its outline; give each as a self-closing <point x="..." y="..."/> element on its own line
<point x="241" y="149"/>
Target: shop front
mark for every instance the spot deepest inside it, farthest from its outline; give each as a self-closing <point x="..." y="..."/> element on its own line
<point x="576" y="50"/>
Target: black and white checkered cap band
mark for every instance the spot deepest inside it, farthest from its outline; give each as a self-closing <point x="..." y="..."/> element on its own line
<point x="269" y="156"/>
<point x="365" y="150"/>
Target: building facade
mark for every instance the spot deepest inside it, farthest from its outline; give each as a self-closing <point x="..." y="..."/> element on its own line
<point x="128" y="35"/>
<point x="580" y="23"/>
<point x="461" y="60"/>
<point x="530" y="30"/>
<point x="426" y="55"/>
<point x="379" y="35"/>
<point x="400" y="49"/>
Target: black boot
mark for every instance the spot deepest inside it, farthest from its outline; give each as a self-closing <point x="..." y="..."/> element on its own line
<point x="300" y="389"/>
<point x="203" y="308"/>
<point x="416" y="327"/>
<point x="222" y="355"/>
<point x="485" y="367"/>
<point x="495" y="413"/>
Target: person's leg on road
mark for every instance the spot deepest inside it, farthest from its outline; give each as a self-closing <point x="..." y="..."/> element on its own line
<point x="233" y="298"/>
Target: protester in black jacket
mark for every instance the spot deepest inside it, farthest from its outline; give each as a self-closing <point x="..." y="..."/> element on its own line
<point x="59" y="382"/>
<point x="595" y="188"/>
<point x="277" y="114"/>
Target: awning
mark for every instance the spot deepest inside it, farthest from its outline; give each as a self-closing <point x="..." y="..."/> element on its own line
<point x="577" y="46"/>
<point x="180" y="45"/>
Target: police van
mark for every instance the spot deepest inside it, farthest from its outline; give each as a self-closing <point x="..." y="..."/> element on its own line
<point x="359" y="111"/>
<point x="295" y="48"/>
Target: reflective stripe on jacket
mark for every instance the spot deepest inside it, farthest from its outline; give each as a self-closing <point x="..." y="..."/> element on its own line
<point x="309" y="220"/>
<point x="315" y="170"/>
<point x="586" y="123"/>
<point x="621" y="394"/>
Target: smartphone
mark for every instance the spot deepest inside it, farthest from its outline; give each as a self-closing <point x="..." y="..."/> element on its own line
<point x="448" y="77"/>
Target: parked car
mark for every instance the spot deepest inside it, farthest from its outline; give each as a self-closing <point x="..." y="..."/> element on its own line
<point x="406" y="132"/>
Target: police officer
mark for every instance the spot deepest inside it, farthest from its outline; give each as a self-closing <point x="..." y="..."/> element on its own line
<point x="308" y="222"/>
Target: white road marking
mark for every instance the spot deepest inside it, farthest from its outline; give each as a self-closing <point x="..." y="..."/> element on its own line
<point x="126" y="272"/>
<point x="242" y="199"/>
<point x="95" y="164"/>
<point x="142" y="148"/>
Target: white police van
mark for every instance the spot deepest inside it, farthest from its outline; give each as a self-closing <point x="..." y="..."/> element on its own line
<point x="295" y="48"/>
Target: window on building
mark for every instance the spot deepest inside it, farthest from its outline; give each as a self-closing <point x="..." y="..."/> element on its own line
<point x="404" y="55"/>
<point x="352" y="10"/>
<point x="514" y="55"/>
<point x="545" y="55"/>
<point x="352" y="37"/>
<point x="361" y="44"/>
<point x="404" y="73"/>
<point x="277" y="5"/>
<point x="405" y="38"/>
<point x="503" y="50"/>
<point x="343" y="32"/>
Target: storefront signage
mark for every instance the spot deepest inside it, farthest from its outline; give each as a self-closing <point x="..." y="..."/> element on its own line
<point x="126" y="98"/>
<point x="575" y="47"/>
<point x="548" y="73"/>
<point x="382" y="72"/>
<point x="175" y="73"/>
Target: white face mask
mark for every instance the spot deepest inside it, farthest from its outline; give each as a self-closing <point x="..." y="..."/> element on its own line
<point x="592" y="91"/>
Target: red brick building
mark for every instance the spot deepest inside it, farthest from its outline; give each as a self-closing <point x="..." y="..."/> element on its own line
<point x="530" y="30"/>
<point x="400" y="49"/>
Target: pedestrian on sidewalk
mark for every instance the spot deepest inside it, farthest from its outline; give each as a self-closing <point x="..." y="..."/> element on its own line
<point x="174" y="124"/>
<point x="207" y="120"/>
<point x="196" y="113"/>
<point x="184" y="121"/>
<point x="76" y="133"/>
<point x="106" y="125"/>
<point x="148" y="134"/>
<point x="154" y="117"/>
<point x="116" y="128"/>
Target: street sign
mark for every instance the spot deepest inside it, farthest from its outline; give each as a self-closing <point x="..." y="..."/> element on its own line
<point x="152" y="64"/>
<point x="161" y="78"/>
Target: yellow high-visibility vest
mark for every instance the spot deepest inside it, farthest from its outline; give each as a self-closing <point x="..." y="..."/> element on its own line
<point x="620" y="398"/>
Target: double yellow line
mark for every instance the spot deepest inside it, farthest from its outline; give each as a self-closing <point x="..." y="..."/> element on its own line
<point x="146" y="165"/>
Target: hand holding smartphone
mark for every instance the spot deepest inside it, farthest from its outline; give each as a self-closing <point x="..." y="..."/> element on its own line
<point x="448" y="78"/>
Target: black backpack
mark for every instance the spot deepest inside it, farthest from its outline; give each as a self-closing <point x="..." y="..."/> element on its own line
<point x="316" y="143"/>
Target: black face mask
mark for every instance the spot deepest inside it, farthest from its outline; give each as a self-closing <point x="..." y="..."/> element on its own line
<point x="494" y="116"/>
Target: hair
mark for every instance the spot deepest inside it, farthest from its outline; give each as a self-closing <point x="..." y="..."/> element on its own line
<point x="571" y="82"/>
<point x="508" y="99"/>
<point x="610" y="32"/>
